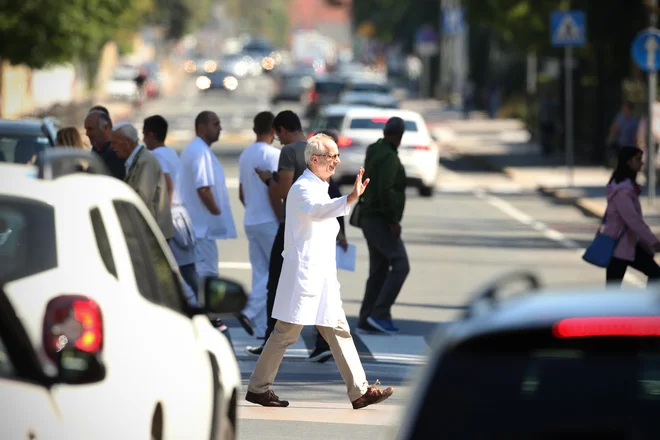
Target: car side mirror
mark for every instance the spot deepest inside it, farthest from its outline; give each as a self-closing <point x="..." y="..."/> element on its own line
<point x="77" y="367"/>
<point x="224" y="297"/>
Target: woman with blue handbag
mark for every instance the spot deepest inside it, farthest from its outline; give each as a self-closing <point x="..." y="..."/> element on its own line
<point x="635" y="244"/>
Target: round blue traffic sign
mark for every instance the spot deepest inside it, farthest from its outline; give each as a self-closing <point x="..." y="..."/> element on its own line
<point x="646" y="50"/>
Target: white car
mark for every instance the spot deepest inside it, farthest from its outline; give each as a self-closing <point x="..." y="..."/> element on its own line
<point x="120" y="351"/>
<point x="369" y="99"/>
<point x="359" y="127"/>
<point x="122" y="84"/>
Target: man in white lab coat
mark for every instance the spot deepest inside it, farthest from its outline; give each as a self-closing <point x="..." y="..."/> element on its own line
<point x="308" y="290"/>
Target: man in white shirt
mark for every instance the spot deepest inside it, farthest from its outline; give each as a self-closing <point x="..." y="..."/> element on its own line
<point x="154" y="132"/>
<point x="261" y="220"/>
<point x="203" y="191"/>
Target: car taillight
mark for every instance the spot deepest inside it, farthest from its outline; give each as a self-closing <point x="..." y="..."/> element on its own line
<point x="309" y="136"/>
<point x="379" y="120"/>
<point x="343" y="141"/>
<point x="607" y="326"/>
<point x="422" y="147"/>
<point x="313" y="96"/>
<point x="72" y="321"/>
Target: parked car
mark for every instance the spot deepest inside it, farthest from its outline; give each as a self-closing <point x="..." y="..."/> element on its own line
<point x="550" y="364"/>
<point x="22" y="140"/>
<point x="358" y="127"/>
<point x="93" y="282"/>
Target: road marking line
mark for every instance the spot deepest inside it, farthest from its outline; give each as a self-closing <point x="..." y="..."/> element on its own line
<point x="542" y="228"/>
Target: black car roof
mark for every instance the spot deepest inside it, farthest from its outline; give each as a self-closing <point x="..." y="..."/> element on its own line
<point x="547" y="307"/>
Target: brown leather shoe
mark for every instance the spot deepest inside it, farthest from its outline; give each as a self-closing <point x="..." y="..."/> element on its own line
<point x="269" y="398"/>
<point x="373" y="396"/>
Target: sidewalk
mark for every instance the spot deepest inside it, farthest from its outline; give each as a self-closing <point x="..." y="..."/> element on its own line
<point x="503" y="146"/>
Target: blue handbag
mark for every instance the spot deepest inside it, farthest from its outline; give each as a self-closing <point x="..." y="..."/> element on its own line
<point x="600" y="251"/>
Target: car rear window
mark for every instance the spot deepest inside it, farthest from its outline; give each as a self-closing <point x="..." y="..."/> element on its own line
<point x="27" y="238"/>
<point x="524" y="384"/>
<point x="328" y="122"/>
<point x="22" y="148"/>
<point x="329" y="87"/>
<point x="377" y="124"/>
<point x="378" y="88"/>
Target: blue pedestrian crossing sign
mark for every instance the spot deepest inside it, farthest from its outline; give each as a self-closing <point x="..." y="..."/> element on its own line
<point x="646" y="50"/>
<point x="568" y="28"/>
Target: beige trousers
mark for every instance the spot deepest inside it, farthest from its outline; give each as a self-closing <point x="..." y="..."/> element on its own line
<point x="341" y="344"/>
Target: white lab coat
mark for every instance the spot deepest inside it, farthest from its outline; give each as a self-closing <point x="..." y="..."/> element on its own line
<point x="308" y="291"/>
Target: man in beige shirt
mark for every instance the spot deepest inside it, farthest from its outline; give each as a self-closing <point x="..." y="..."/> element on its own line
<point x="144" y="175"/>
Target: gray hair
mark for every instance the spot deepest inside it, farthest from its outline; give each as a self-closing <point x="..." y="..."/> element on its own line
<point x="316" y="147"/>
<point x="128" y="131"/>
<point x="104" y="118"/>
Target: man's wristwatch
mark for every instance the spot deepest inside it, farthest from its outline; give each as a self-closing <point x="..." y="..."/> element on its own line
<point x="267" y="181"/>
<point x="276" y="176"/>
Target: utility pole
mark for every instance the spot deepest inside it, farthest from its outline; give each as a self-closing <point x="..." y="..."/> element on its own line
<point x="652" y="93"/>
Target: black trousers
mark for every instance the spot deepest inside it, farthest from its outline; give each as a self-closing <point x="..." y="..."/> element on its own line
<point x="274" y="270"/>
<point x="643" y="262"/>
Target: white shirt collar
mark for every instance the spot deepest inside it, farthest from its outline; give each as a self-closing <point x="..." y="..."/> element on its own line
<point x="314" y="178"/>
<point x="131" y="158"/>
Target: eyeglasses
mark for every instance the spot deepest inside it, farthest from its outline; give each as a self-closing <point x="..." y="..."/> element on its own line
<point x="329" y="156"/>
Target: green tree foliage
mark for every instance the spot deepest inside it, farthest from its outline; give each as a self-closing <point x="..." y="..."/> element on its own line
<point x="39" y="32"/>
<point x="180" y="17"/>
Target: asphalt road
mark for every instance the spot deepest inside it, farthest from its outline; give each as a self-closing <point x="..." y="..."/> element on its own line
<point x="477" y="226"/>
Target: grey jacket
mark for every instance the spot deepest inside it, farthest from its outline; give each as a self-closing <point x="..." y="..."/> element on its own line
<point x="147" y="179"/>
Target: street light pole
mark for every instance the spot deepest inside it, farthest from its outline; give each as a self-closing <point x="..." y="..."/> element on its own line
<point x="652" y="92"/>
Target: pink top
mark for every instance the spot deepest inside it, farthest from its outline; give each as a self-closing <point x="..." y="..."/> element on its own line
<point x="624" y="209"/>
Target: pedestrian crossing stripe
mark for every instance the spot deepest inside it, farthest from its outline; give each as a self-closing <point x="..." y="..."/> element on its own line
<point x="373" y="348"/>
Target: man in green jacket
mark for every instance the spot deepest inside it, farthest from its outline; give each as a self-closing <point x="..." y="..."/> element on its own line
<point x="381" y="210"/>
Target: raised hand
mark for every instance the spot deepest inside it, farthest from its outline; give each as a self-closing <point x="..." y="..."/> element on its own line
<point x="358" y="187"/>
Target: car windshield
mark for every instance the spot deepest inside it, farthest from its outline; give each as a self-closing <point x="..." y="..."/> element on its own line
<point x="22" y="148"/>
<point x="27" y="238"/>
<point x="523" y="384"/>
<point x="377" y="124"/>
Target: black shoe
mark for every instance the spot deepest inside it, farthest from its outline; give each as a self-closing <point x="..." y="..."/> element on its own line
<point x="254" y="351"/>
<point x="320" y="355"/>
<point x="245" y="323"/>
<point x="367" y="328"/>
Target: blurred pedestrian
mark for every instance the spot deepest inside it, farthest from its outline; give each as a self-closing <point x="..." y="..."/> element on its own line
<point x="261" y="220"/>
<point x="548" y="123"/>
<point x="308" y="291"/>
<point x="144" y="175"/>
<point x="98" y="127"/>
<point x="69" y="137"/>
<point x="288" y="130"/>
<point x="623" y="131"/>
<point x="380" y="213"/>
<point x="623" y="219"/>
<point x="183" y="243"/>
<point x="203" y="191"/>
